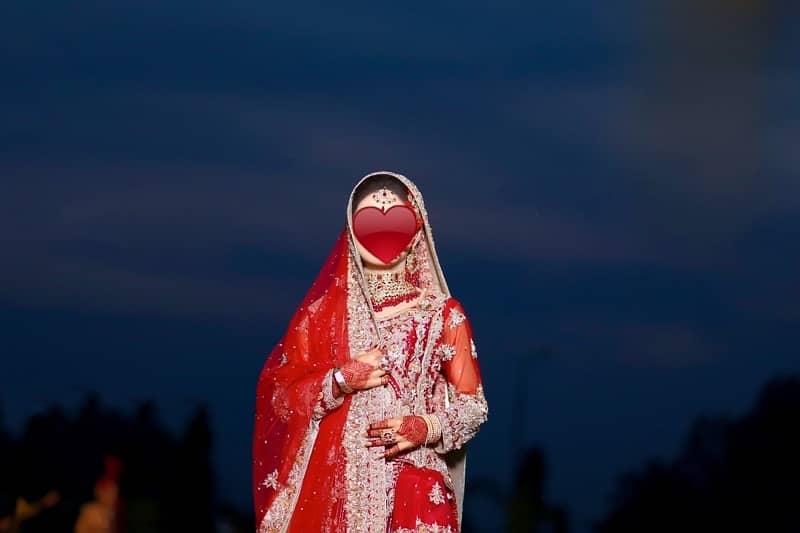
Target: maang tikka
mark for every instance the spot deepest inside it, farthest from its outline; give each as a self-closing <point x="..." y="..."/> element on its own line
<point x="384" y="197"/>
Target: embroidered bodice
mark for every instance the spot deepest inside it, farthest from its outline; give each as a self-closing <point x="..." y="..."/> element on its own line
<point x="433" y="359"/>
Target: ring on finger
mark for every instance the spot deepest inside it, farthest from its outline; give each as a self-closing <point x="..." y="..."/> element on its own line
<point x="387" y="436"/>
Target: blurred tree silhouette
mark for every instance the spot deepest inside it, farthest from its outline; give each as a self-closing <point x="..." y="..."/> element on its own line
<point x="527" y="510"/>
<point x="167" y="483"/>
<point x="525" y="507"/>
<point x="739" y="475"/>
<point x="7" y="452"/>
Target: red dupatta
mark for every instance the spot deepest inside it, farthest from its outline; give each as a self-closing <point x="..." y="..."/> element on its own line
<point x="288" y="388"/>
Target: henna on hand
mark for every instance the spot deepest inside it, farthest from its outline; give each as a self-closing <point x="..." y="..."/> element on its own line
<point x="393" y="451"/>
<point x="414" y="429"/>
<point x="376" y="430"/>
<point x="356" y="373"/>
<point x="380" y="424"/>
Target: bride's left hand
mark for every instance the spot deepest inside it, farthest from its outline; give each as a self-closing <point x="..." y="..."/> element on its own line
<point x="407" y="433"/>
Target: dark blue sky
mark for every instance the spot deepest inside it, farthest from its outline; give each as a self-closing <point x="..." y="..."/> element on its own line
<point x="617" y="180"/>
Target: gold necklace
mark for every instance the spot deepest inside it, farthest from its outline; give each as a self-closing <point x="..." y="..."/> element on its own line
<point x="389" y="288"/>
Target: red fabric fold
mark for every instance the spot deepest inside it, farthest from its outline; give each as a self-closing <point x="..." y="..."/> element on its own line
<point x="289" y="388"/>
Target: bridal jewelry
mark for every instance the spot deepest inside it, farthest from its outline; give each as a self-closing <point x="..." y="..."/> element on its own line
<point x="337" y="375"/>
<point x="389" y="288"/>
<point x="434" y="428"/>
<point x="412" y="267"/>
<point x="388" y="436"/>
<point x="384" y="197"/>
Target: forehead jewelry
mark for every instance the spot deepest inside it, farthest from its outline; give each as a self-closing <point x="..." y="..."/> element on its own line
<point x="384" y="197"/>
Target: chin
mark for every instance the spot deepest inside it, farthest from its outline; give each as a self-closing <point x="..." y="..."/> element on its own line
<point x="394" y="262"/>
<point x="375" y="262"/>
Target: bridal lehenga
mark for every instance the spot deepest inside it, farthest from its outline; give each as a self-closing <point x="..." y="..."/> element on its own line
<point x="311" y="469"/>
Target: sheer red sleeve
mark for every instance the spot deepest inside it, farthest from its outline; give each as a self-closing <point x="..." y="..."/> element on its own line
<point x="468" y="409"/>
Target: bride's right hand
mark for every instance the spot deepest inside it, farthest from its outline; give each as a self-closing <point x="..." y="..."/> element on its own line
<point x="364" y="372"/>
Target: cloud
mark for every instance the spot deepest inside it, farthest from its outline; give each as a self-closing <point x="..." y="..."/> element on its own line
<point x="175" y="241"/>
<point x="665" y="346"/>
<point x="195" y="240"/>
<point x="672" y="343"/>
<point x="37" y="277"/>
<point x="530" y="234"/>
<point x="237" y="128"/>
<point x="240" y="32"/>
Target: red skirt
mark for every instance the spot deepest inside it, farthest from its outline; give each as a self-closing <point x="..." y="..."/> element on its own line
<point x="422" y="502"/>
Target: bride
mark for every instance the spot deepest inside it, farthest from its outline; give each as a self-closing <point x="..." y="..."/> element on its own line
<point x="365" y="405"/>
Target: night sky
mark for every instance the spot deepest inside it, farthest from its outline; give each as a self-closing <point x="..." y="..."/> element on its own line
<point x="612" y="186"/>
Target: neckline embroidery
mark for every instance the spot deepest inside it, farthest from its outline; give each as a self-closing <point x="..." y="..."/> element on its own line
<point x="430" y="302"/>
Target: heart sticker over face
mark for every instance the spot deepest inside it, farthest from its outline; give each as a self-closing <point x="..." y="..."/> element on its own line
<point x="385" y="235"/>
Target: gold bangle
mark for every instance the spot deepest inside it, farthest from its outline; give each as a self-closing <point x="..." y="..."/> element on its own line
<point x="437" y="428"/>
<point x="428" y="424"/>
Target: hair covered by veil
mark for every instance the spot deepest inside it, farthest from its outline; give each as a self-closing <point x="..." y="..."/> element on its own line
<point x="298" y="468"/>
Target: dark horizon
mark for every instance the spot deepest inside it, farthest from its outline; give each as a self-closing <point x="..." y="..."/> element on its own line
<point x="748" y="462"/>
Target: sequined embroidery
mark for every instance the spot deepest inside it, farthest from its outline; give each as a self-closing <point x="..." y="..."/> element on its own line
<point x="456" y="317"/>
<point x="325" y="401"/>
<point x="271" y="481"/>
<point x="277" y="517"/>
<point x="436" y="496"/>
<point x="446" y="351"/>
<point x="422" y="527"/>
<point x="365" y="482"/>
<point x="461" y="420"/>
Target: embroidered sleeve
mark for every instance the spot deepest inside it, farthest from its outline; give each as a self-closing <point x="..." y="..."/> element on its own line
<point x="468" y="409"/>
<point x="326" y="402"/>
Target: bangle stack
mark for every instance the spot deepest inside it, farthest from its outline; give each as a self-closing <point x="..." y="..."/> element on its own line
<point x="434" y="428"/>
<point x="337" y="375"/>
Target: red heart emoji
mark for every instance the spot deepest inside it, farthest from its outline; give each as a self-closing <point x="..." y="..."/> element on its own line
<point x="385" y="235"/>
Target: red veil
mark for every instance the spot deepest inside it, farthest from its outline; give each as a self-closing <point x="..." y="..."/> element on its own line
<point x="298" y="469"/>
<point x="291" y="383"/>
